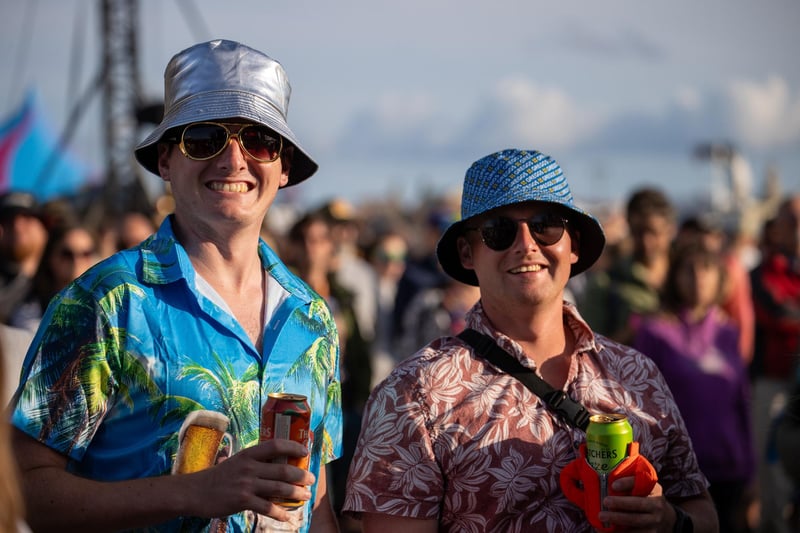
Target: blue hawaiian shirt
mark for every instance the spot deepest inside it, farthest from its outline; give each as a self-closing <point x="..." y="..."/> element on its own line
<point x="133" y="346"/>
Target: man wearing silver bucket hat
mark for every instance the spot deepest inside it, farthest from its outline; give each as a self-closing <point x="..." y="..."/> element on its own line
<point x="193" y="328"/>
<point x="454" y="442"/>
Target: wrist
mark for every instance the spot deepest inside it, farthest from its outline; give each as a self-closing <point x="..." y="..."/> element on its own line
<point x="683" y="520"/>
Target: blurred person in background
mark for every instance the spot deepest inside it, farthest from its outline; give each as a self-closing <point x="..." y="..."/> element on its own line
<point x="612" y="304"/>
<point x="617" y="245"/>
<point x="124" y="231"/>
<point x="14" y="342"/>
<point x="737" y="297"/>
<point x="422" y="268"/>
<point x="70" y="250"/>
<point x="11" y="503"/>
<point x="133" y="228"/>
<point x="436" y="312"/>
<point x="351" y="269"/>
<point x="776" y="296"/>
<point x="311" y="254"/>
<point x="313" y="258"/>
<point x="388" y="257"/>
<point x="786" y="443"/>
<point x="23" y="236"/>
<point x="696" y="347"/>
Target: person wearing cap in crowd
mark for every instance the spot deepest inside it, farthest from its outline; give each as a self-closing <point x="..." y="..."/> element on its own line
<point x="23" y="236"/>
<point x="201" y="316"/>
<point x="452" y="443"/>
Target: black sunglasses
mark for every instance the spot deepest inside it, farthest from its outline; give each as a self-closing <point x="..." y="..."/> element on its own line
<point x="499" y="233"/>
<point x="204" y="140"/>
<point x="72" y="255"/>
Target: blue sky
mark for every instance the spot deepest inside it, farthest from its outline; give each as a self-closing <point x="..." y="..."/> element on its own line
<point x="399" y="98"/>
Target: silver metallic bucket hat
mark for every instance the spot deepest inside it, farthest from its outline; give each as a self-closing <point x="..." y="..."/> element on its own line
<point x="511" y="177"/>
<point x="224" y="79"/>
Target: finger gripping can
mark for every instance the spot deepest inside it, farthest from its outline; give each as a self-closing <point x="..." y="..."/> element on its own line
<point x="607" y="439"/>
<point x="287" y="416"/>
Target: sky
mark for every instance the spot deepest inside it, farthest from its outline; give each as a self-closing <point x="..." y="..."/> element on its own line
<point x="397" y="99"/>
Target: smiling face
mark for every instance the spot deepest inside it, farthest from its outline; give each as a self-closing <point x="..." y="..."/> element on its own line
<point x="526" y="273"/>
<point x="231" y="190"/>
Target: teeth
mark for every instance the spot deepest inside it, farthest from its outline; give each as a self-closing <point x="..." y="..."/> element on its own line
<point x="228" y="187"/>
<point x="529" y="268"/>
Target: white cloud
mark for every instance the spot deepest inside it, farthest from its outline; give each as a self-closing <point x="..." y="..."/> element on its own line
<point x="403" y="113"/>
<point x="766" y="114"/>
<point x="516" y="112"/>
<point x="689" y="99"/>
<point x="754" y="115"/>
<point x="531" y="114"/>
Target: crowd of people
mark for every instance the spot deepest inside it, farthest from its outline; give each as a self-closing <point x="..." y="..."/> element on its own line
<point x="117" y="331"/>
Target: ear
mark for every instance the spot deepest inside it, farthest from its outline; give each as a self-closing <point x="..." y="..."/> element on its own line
<point x="575" y="246"/>
<point x="465" y="253"/>
<point x="284" y="178"/>
<point x="286" y="165"/>
<point x="164" y="151"/>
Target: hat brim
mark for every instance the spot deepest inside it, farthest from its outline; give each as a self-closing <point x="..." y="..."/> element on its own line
<point x="217" y="105"/>
<point x="590" y="234"/>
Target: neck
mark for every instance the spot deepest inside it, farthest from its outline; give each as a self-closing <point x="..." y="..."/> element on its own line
<point x="541" y="333"/>
<point x="656" y="270"/>
<point x="229" y="263"/>
<point x="698" y="312"/>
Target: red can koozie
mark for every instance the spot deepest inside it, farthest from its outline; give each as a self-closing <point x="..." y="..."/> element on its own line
<point x="583" y="485"/>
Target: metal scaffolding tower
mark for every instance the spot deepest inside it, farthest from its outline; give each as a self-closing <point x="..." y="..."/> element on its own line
<point x="121" y="97"/>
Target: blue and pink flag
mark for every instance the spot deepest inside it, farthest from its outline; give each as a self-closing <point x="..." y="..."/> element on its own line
<point x="32" y="161"/>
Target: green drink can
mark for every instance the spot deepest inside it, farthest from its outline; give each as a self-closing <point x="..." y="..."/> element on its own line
<point x="607" y="439"/>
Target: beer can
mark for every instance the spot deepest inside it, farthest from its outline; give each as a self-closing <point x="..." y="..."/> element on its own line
<point x="607" y="439"/>
<point x="287" y="416"/>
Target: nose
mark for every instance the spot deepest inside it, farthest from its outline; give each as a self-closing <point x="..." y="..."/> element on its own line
<point x="233" y="156"/>
<point x="524" y="233"/>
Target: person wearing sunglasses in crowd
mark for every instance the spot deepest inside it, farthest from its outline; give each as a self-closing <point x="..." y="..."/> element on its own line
<point x="452" y="443"/>
<point x="201" y="316"/>
<point x="70" y="250"/>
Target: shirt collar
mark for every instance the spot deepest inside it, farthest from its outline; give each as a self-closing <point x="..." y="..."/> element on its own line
<point x="164" y="260"/>
<point x="584" y="336"/>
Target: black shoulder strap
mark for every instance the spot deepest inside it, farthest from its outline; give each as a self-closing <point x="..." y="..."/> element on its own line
<point x="568" y="409"/>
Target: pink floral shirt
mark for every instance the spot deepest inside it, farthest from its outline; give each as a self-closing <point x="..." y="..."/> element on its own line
<point x="447" y="436"/>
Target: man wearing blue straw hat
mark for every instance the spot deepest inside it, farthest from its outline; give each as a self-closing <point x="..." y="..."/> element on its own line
<point x="186" y="335"/>
<point x="454" y="442"/>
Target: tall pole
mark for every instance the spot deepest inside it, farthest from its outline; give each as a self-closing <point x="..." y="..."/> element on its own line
<point x="120" y="98"/>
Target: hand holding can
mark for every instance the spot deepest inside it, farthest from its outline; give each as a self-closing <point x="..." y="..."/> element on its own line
<point x="287" y="416"/>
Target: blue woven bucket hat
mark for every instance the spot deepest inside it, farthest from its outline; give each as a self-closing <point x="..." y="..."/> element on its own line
<point x="511" y="177"/>
<point x="219" y="80"/>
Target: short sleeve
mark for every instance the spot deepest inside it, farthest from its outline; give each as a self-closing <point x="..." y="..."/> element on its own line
<point x="68" y="380"/>
<point x="394" y="469"/>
